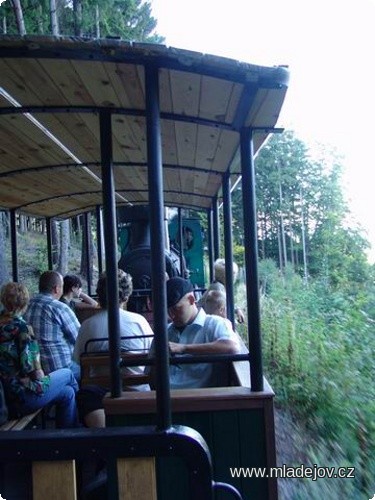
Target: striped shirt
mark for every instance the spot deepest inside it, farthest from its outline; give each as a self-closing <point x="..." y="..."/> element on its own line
<point x="56" y="328"/>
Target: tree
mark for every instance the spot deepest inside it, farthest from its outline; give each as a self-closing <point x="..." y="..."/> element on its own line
<point x="4" y="274"/>
<point x="16" y="4"/>
<point x="62" y="266"/>
<point x="54" y="19"/>
<point x="77" y="10"/>
<point x="87" y="257"/>
<point x="128" y="19"/>
<point x="54" y="242"/>
<point x="302" y="214"/>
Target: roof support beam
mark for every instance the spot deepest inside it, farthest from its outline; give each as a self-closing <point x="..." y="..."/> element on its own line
<point x="157" y="231"/>
<point x="49" y="243"/>
<point x="210" y="231"/>
<point x="99" y="237"/>
<point x="13" y="239"/>
<point x="110" y="240"/>
<point x="216" y="228"/>
<point x="251" y="259"/>
<point x="228" y="244"/>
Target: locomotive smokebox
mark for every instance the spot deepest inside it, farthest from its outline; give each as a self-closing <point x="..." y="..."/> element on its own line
<point x="133" y="226"/>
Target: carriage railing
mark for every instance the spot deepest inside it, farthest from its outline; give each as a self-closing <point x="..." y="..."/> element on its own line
<point x="55" y="453"/>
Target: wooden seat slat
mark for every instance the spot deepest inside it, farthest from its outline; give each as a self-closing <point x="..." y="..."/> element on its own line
<point x="18" y="424"/>
<point x="131" y="478"/>
<point x="54" y="480"/>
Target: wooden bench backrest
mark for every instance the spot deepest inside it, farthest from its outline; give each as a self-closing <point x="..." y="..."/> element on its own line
<point x="91" y="362"/>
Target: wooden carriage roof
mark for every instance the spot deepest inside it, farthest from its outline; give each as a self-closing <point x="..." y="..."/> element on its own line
<point x="51" y="92"/>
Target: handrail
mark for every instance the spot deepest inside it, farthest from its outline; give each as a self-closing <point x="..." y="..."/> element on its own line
<point x="123" y="337"/>
<point x="115" y="442"/>
<point x="227" y="487"/>
<point x="181" y="359"/>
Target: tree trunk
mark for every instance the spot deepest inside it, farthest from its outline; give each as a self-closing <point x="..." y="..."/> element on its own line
<point x="304" y="253"/>
<point x="64" y="247"/>
<point x="85" y="245"/>
<point x="77" y="8"/>
<point x="23" y="223"/>
<point x="4" y="25"/>
<point x="54" y="20"/>
<point x="282" y="228"/>
<point x="97" y="21"/>
<point x="16" y="4"/>
<point x="55" y="242"/>
<point x="280" y="250"/>
<point x="4" y="275"/>
<point x="40" y="20"/>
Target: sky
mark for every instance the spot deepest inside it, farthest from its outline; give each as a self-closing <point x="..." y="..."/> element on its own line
<point x="329" y="46"/>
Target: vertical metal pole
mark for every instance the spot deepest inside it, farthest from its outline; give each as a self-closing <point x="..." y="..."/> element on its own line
<point x="228" y="244"/>
<point x="13" y="239"/>
<point x="110" y="240"/>
<point x="99" y="238"/>
<point x="181" y="243"/>
<point x="216" y="229"/>
<point x="87" y="218"/>
<point x="49" y="243"/>
<point x="159" y="296"/>
<point x="251" y="259"/>
<point x="210" y="243"/>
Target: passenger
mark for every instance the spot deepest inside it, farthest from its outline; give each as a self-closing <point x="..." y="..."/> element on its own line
<point x="55" y="325"/>
<point x="73" y="296"/>
<point x="26" y="386"/>
<point x="216" y="303"/>
<point x="194" y="332"/>
<point x="89" y="398"/>
<point x="219" y="284"/>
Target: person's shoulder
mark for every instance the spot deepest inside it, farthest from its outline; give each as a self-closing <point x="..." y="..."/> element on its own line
<point x="40" y="297"/>
<point x="95" y="318"/>
<point x="134" y="317"/>
<point x="64" y="301"/>
<point x="64" y="311"/>
<point x="214" y="319"/>
<point x="59" y="305"/>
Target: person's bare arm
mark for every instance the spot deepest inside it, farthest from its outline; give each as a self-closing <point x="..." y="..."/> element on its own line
<point x="85" y="301"/>
<point x="240" y="317"/>
<point x="222" y="346"/>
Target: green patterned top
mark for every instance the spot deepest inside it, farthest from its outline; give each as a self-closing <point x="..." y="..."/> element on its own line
<point x="19" y="358"/>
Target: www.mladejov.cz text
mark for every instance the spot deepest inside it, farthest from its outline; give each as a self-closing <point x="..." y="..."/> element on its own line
<point x="313" y="472"/>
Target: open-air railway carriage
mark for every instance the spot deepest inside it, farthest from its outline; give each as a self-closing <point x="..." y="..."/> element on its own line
<point x="87" y="126"/>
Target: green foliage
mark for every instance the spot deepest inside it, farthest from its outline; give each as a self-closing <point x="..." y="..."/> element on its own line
<point x="319" y="356"/>
<point x="129" y="19"/>
<point x="302" y="216"/>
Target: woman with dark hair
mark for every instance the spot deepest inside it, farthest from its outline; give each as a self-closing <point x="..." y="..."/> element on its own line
<point x="73" y="295"/>
<point x="26" y="386"/>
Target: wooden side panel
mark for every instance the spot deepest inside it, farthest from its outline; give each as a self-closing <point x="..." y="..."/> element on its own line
<point x="136" y="479"/>
<point x="54" y="480"/>
<point x="236" y="438"/>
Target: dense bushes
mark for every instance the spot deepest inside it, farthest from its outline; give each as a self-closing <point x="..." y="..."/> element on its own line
<point x="319" y="349"/>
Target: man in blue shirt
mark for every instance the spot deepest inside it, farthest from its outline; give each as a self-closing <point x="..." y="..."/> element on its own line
<point x="193" y="332"/>
<point x="55" y="325"/>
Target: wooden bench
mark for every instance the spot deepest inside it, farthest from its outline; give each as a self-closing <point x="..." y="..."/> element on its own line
<point x="18" y="424"/>
<point x="91" y="363"/>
